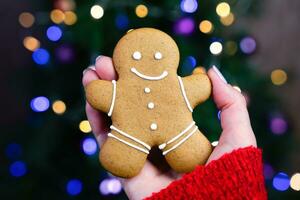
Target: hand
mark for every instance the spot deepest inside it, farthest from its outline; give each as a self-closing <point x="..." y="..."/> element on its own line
<point x="237" y="131"/>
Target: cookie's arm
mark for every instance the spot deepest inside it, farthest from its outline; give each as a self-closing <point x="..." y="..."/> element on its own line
<point x="197" y="87"/>
<point x="101" y="95"/>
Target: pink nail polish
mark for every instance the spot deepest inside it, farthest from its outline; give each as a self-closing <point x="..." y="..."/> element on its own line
<point x="219" y="73"/>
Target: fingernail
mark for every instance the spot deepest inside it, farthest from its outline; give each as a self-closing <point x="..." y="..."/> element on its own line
<point x="98" y="57"/>
<point x="219" y="73"/>
<point x="89" y="68"/>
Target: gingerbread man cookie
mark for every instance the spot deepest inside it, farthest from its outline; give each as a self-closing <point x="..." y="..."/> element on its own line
<point x="150" y="105"/>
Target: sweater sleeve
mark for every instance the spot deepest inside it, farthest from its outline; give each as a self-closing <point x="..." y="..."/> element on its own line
<point x="237" y="175"/>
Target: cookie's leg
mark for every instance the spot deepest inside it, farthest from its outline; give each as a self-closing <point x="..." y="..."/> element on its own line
<point x="194" y="151"/>
<point x="120" y="159"/>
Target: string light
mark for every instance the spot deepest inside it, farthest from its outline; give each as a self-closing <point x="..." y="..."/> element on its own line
<point x="85" y="126"/>
<point x="268" y="171"/>
<point x="39" y="104"/>
<point x="70" y="18"/>
<point x="26" y="19"/>
<point x="206" y="26"/>
<point x="281" y="181"/>
<point x="248" y="45"/>
<point x="54" y="33"/>
<point x="216" y="48"/>
<point x="278" y="125"/>
<point x="97" y="11"/>
<point x="74" y="187"/>
<point x="278" y="77"/>
<point x="141" y="11"/>
<point x="18" y="169"/>
<point x="122" y="21"/>
<point x="230" y="48"/>
<point x="228" y="20"/>
<point x="110" y="186"/>
<point x="31" y="43"/>
<point x="57" y="16"/>
<point x="295" y="182"/>
<point x="40" y="56"/>
<point x="59" y="107"/>
<point x="184" y="26"/>
<point x="223" y="9"/>
<point x="189" y="6"/>
<point x="13" y="151"/>
<point x="89" y="146"/>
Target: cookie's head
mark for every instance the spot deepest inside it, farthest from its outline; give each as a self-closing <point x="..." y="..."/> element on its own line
<point x="146" y="52"/>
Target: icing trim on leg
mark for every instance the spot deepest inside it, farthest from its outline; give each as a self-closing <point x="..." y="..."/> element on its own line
<point x="184" y="94"/>
<point x="180" y="142"/>
<point x="127" y="143"/>
<point x="130" y="137"/>
<point x="112" y="105"/>
<point x="162" y="146"/>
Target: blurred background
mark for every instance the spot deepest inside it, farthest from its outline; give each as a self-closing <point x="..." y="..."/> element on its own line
<point x="47" y="149"/>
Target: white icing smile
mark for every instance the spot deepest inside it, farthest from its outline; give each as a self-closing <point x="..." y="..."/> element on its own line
<point x="151" y="78"/>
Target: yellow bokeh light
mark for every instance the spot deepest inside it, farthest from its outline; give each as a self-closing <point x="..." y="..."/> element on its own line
<point x="278" y="77"/>
<point x="57" y="16"/>
<point x="26" y="19"/>
<point x="141" y="11"/>
<point x="216" y="48"/>
<point x="31" y="43"/>
<point x="231" y="48"/>
<point x="85" y="126"/>
<point x="59" y="107"/>
<point x="223" y="9"/>
<point x="295" y="182"/>
<point x="70" y="18"/>
<point x="228" y="20"/>
<point x="206" y="26"/>
<point x="97" y="11"/>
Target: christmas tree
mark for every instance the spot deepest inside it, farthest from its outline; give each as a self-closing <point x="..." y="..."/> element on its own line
<point x="53" y="155"/>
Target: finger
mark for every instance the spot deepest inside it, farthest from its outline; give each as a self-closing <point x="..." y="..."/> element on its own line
<point x="89" y="74"/>
<point x="105" y="69"/>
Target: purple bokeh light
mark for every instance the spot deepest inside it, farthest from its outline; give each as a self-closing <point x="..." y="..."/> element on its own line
<point x="39" y="104"/>
<point x="89" y="146"/>
<point x="184" y="26"/>
<point x="248" y="45"/>
<point x="281" y="181"/>
<point x="268" y="171"/>
<point x="189" y="6"/>
<point x="278" y="125"/>
<point x="64" y="54"/>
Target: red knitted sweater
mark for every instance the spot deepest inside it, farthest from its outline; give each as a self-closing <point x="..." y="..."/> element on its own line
<point x="237" y="175"/>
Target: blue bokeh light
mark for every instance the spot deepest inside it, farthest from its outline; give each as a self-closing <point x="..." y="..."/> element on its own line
<point x="189" y="63"/>
<point x="39" y="104"/>
<point x="13" y="151"/>
<point x="18" y="169"/>
<point x="189" y="6"/>
<point x="122" y="21"/>
<point x="281" y="181"/>
<point x="74" y="187"/>
<point x="54" y="33"/>
<point x="40" y="56"/>
<point x="89" y="146"/>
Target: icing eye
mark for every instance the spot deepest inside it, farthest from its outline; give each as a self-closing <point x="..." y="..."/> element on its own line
<point x="157" y="55"/>
<point x="137" y="55"/>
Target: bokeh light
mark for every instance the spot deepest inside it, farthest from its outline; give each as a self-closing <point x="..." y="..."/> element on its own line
<point x="31" y="43"/>
<point x="278" y="125"/>
<point x="13" y="151"/>
<point x="228" y="20"/>
<point x="97" y="11"/>
<point x="189" y="6"/>
<point x="281" y="181"/>
<point x="89" y="146"/>
<point x="59" y="107"/>
<point x="18" y="169"/>
<point x="40" y="56"/>
<point x="26" y="19"/>
<point x="223" y="9"/>
<point x="57" y="16"/>
<point x="231" y="48"/>
<point x="268" y="171"/>
<point x="206" y="26"/>
<point x="74" y="187"/>
<point x="189" y="63"/>
<point x="110" y="186"/>
<point x="141" y="11"/>
<point x="64" y="53"/>
<point x="122" y="21"/>
<point x="85" y="126"/>
<point x="248" y="45"/>
<point x="54" y="33"/>
<point x="184" y="26"/>
<point x="70" y="18"/>
<point x="216" y="48"/>
<point x="295" y="182"/>
<point x="65" y="5"/>
<point x="278" y="77"/>
<point x="39" y="104"/>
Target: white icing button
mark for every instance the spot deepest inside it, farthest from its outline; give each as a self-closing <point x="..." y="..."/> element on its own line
<point x="158" y="55"/>
<point x="151" y="105"/>
<point x="137" y="55"/>
<point x="153" y="126"/>
<point x="147" y="90"/>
